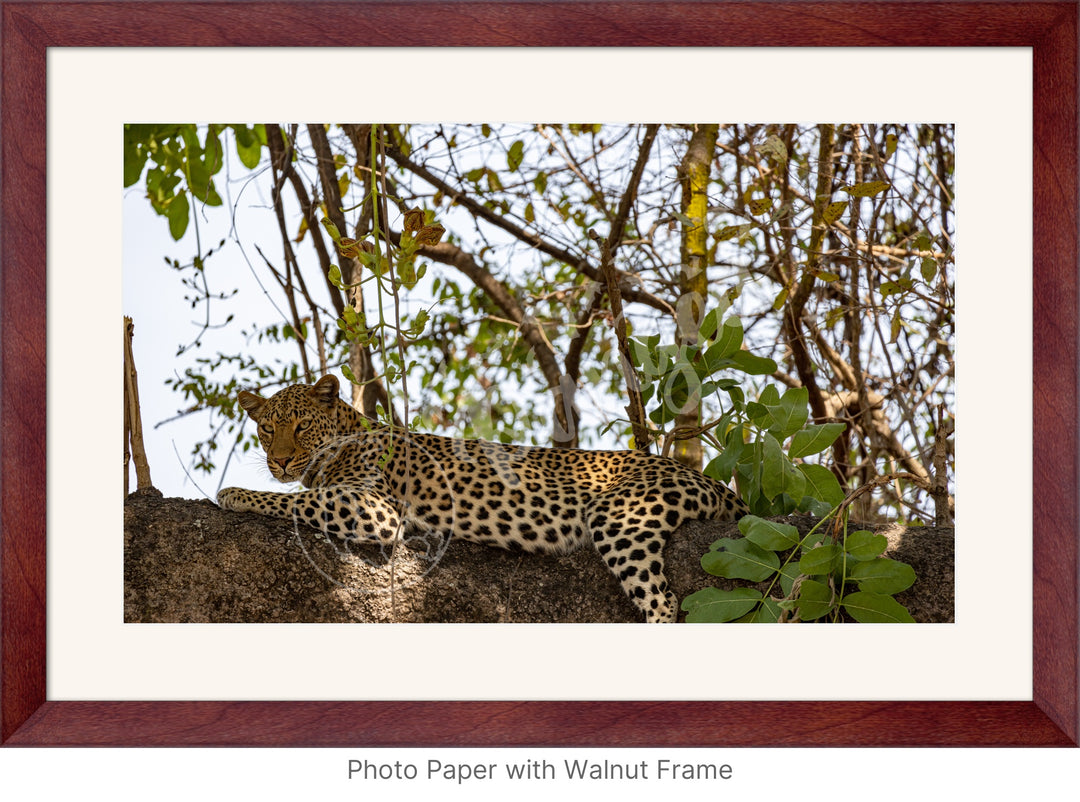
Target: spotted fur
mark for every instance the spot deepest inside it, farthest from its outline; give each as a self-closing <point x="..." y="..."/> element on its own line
<point x="365" y="483"/>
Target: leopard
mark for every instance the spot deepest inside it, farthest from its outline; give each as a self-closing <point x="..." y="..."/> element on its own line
<point x="365" y="482"/>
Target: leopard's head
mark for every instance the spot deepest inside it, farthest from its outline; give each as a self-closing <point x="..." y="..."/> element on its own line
<point x="294" y="424"/>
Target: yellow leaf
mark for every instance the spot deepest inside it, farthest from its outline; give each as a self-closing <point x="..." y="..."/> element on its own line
<point x="867" y="189"/>
<point x="824" y="275"/>
<point x="781" y="299"/>
<point x="331" y="229"/>
<point x="774" y="147"/>
<point x="895" y="328"/>
<point x="890" y="145"/>
<point x="729" y="232"/>
<point x="833" y="211"/>
<point x="760" y="206"/>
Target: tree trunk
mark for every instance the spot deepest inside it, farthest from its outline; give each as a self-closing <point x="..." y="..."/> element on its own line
<point x="693" y="278"/>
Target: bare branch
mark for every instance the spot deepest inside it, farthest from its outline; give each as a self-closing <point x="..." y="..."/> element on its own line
<point x="452" y="255"/>
<point x="478" y="210"/>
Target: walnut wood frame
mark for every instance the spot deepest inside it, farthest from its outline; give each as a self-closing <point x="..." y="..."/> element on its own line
<point x="28" y="718"/>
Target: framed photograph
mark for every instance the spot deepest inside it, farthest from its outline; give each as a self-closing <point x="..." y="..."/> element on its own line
<point x="75" y="673"/>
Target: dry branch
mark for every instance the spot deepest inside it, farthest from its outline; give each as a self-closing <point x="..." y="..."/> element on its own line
<point x="133" y="435"/>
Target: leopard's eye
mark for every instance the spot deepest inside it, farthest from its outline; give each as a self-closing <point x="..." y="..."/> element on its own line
<point x="305" y="423"/>
<point x="266" y="429"/>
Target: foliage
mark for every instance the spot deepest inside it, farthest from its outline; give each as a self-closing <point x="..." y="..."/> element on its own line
<point x="809" y="578"/>
<point x="457" y="275"/>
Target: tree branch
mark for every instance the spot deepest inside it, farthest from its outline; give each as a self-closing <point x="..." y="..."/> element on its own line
<point x="281" y="156"/>
<point x="370" y="391"/>
<point x="449" y="254"/>
<point x="635" y="409"/>
<point x="615" y="237"/>
<point x="481" y="212"/>
<point x="797" y="300"/>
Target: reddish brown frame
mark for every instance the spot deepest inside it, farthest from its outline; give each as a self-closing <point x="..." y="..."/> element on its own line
<point x="28" y="718"/>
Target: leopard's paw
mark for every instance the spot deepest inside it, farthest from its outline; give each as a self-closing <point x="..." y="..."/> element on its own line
<point x="233" y="498"/>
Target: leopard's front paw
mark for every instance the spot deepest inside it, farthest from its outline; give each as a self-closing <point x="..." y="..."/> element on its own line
<point x="233" y="498"/>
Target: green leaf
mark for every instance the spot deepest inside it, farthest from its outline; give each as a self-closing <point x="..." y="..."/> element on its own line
<point x="515" y="155"/>
<point x="768" y="612"/>
<point x="641" y="354"/>
<point x="864" y="545"/>
<point x="250" y="150"/>
<point x="177" y="213"/>
<point x="791" y="413"/>
<point x="722" y="466"/>
<point x="815" y="599"/>
<point x="134" y="157"/>
<point x="873" y="608"/>
<point x="739" y="559"/>
<point x="334" y="275"/>
<point x="882" y="576"/>
<point x="753" y="365"/>
<point x="758" y="414"/>
<point x="928" y="267"/>
<point x="778" y="474"/>
<point x="768" y="534"/>
<point x="822" y="560"/>
<point x="712" y="321"/>
<point x="729" y="339"/>
<point x="821" y="483"/>
<point x="770" y="396"/>
<point x="331" y="229"/>
<point x="789" y="572"/>
<point x="814" y="439"/>
<point x="212" y="153"/>
<point x="713" y="605"/>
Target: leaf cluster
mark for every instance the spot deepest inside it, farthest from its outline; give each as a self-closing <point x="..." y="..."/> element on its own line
<point x="805" y="578"/>
<point x="181" y="164"/>
<point x="763" y="444"/>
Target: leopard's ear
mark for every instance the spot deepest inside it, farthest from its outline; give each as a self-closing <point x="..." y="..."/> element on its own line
<point x="325" y="391"/>
<point x="251" y="403"/>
